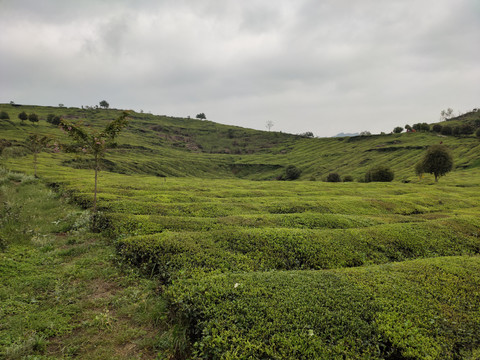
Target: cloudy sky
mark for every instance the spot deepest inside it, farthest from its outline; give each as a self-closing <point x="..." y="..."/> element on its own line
<point x="325" y="66"/>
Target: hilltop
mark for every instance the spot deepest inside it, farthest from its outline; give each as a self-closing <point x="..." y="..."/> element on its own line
<point x="170" y="146"/>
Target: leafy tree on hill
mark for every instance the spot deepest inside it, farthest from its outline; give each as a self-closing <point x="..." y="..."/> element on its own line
<point x="437" y="128"/>
<point x="421" y="127"/>
<point x="397" y="130"/>
<point x="4" y="115"/>
<point x="446" y="114"/>
<point x="33" y="118"/>
<point x="379" y="173"/>
<point x="437" y="161"/>
<point x="37" y="144"/>
<point x="201" y="116"/>
<point x="269" y="124"/>
<point x="447" y="130"/>
<point x="95" y="143"/>
<point x="104" y="104"/>
<point x="53" y="119"/>
<point x="23" y="116"/>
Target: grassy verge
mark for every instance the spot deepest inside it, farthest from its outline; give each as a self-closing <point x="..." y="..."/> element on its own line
<point x="61" y="293"/>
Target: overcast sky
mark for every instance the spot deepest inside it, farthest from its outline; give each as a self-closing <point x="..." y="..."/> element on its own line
<point x="325" y="66"/>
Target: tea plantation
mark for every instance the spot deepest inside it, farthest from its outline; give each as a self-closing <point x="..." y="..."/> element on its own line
<point x="285" y="269"/>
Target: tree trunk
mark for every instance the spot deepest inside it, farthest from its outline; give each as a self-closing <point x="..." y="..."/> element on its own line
<point x="95" y="191"/>
<point x="35" y="163"/>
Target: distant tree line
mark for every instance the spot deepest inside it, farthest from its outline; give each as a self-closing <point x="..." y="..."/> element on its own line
<point x="464" y="129"/>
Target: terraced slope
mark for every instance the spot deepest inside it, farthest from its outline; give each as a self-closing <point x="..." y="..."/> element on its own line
<point x="302" y="269"/>
<point x="166" y="146"/>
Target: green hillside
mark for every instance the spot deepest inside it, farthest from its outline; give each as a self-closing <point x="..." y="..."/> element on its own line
<point x="281" y="269"/>
<point x="167" y="146"/>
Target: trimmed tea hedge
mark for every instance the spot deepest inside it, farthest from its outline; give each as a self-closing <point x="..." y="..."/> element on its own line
<point x="423" y="309"/>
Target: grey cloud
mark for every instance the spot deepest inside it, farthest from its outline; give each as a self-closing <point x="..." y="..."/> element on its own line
<point x="325" y="67"/>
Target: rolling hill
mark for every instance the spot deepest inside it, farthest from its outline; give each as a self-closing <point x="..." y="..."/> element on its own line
<point x="168" y="146"/>
<point x="282" y="269"/>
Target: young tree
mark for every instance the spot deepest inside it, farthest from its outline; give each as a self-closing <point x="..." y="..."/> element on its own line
<point x="397" y="130"/>
<point x="201" y="116"/>
<point x="4" y="115"/>
<point x="437" y="161"/>
<point x="446" y="114"/>
<point x="269" y="124"/>
<point x="104" y="104"/>
<point x="37" y="144"/>
<point x="95" y="143"/>
<point x="33" y="118"/>
<point x="23" y="116"/>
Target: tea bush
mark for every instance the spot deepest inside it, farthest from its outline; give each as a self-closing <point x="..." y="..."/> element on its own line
<point x="421" y="309"/>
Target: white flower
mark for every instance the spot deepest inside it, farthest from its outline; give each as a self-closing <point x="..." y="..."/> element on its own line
<point x="236" y="285"/>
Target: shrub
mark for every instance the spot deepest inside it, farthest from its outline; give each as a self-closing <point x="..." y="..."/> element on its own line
<point x="23" y="116"/>
<point x="33" y="118"/>
<point x="397" y="130"/>
<point x="437" y="128"/>
<point x="379" y="173"/>
<point x="421" y="127"/>
<point x="333" y="177"/>
<point x="347" y="178"/>
<point x="292" y="172"/>
<point x="466" y="129"/>
<point x="477" y="133"/>
<point x="53" y="119"/>
<point x="4" y="115"/>
<point x="447" y="130"/>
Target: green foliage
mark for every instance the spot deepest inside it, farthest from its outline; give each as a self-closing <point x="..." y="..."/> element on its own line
<point x="379" y="173"/>
<point x="4" y="115"/>
<point x="421" y="127"/>
<point x="477" y="133"/>
<point x="61" y="296"/>
<point x="104" y="104"/>
<point x="53" y="119"/>
<point x="95" y="143"/>
<point x="23" y="116"/>
<point x="201" y="116"/>
<point x="374" y="312"/>
<point x="437" y="128"/>
<point x="447" y="130"/>
<point x="334" y="177"/>
<point x="438" y="161"/>
<point x="292" y="173"/>
<point x="33" y="118"/>
<point x="347" y="178"/>
<point x="397" y="130"/>
<point x="195" y="224"/>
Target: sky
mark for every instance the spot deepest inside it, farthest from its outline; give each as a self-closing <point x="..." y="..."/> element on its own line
<point x="325" y="66"/>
